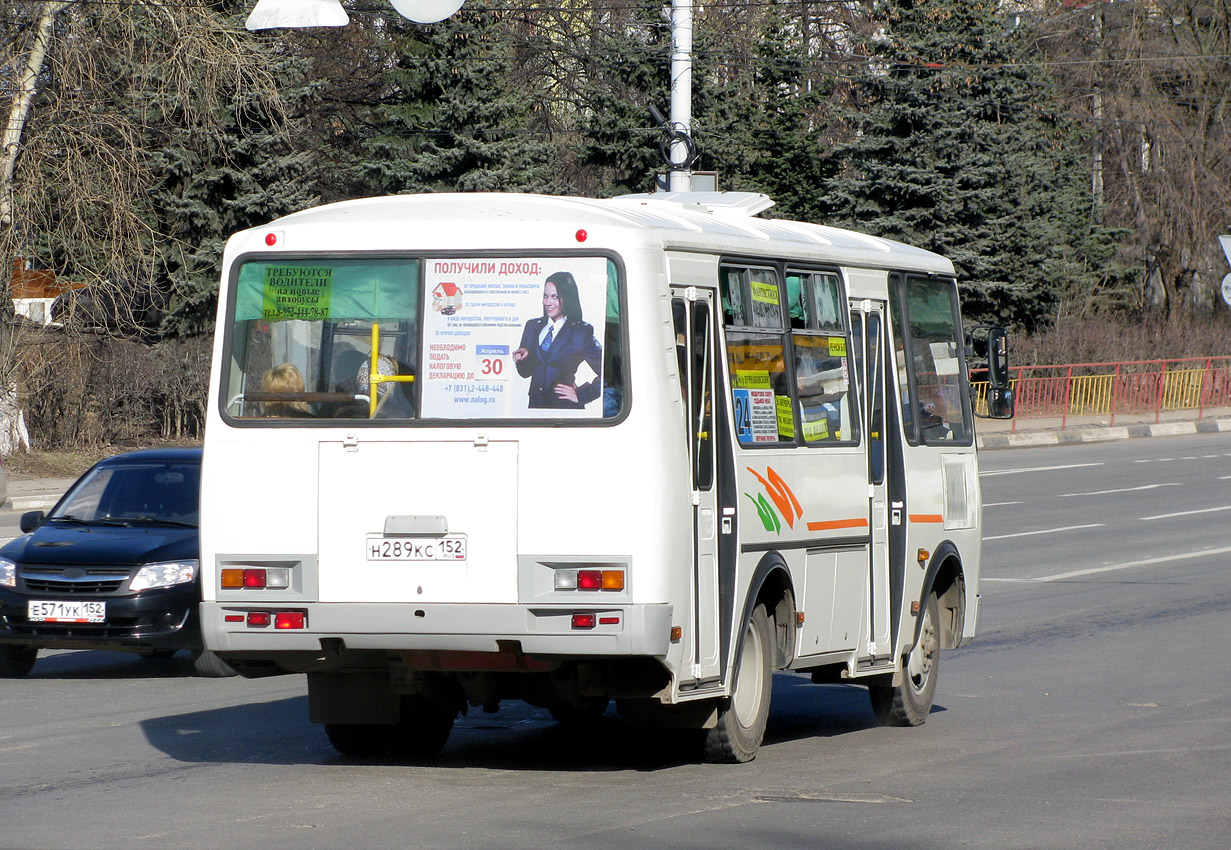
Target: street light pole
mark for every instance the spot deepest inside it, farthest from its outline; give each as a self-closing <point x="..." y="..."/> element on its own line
<point x="680" y="179"/>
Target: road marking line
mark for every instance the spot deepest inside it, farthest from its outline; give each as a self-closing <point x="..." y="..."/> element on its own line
<point x="1123" y="490"/>
<point x="1003" y="504"/>
<point x="1189" y="513"/>
<point x="1036" y="469"/>
<point x="1129" y="564"/>
<point x="1044" y="531"/>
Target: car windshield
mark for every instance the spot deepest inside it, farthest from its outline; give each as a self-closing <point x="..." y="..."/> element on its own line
<point x="134" y="494"/>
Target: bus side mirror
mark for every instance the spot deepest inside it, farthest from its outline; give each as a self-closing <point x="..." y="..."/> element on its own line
<point x="998" y="357"/>
<point x="992" y="342"/>
<point x="999" y="403"/>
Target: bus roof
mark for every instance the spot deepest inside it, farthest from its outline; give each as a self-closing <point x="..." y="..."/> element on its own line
<point x="715" y="222"/>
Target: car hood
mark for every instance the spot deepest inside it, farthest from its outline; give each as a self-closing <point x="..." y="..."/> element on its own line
<point x="102" y="544"/>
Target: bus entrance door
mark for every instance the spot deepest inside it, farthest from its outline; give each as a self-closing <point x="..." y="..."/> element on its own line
<point x="693" y="316"/>
<point x="868" y="326"/>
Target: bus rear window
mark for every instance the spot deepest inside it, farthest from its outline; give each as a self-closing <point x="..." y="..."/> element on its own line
<point x="425" y="339"/>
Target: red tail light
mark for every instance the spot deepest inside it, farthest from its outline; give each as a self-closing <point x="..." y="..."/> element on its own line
<point x="290" y="620"/>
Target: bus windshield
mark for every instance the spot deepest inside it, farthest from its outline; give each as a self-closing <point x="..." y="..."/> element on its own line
<point x="412" y="338"/>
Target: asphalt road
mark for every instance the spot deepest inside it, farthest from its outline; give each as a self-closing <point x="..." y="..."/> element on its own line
<point x="1092" y="711"/>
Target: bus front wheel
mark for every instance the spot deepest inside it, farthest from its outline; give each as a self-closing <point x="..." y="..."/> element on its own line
<point x="909" y="703"/>
<point x="742" y="716"/>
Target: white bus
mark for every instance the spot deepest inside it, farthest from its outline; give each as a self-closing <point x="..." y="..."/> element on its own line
<point x="651" y="449"/>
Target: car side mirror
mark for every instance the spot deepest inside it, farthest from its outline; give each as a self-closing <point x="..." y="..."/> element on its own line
<point x="30" y="521"/>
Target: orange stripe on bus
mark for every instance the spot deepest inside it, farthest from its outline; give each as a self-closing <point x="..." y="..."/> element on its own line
<point x="827" y="525"/>
<point x="926" y="518"/>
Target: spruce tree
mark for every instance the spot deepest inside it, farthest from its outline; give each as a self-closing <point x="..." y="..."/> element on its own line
<point x="958" y="147"/>
<point x="467" y="116"/>
<point x="625" y="70"/>
<point x="761" y="111"/>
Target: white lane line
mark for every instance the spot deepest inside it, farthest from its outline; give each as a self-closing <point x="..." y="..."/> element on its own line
<point x="1122" y="490"/>
<point x="1036" y="469"/>
<point x="1164" y="559"/>
<point x="1189" y="513"/>
<point x="999" y="504"/>
<point x="1044" y="531"/>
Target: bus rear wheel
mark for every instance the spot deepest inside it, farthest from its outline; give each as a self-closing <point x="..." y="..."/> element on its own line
<point x="742" y="716"/>
<point x="358" y="740"/>
<point x="909" y="703"/>
<point x="423" y="728"/>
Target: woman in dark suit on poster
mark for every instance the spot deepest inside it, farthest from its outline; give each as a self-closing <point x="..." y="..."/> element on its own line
<point x="554" y="345"/>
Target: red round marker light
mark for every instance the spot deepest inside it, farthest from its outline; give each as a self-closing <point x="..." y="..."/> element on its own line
<point x="271" y="239"/>
<point x="582" y="236"/>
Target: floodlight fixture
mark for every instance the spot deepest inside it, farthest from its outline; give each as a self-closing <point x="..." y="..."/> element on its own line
<point x="426" y="11"/>
<point x="294" y="14"/>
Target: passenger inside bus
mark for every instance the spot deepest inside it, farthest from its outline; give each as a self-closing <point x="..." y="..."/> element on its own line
<point x="284" y="378"/>
<point x="352" y="370"/>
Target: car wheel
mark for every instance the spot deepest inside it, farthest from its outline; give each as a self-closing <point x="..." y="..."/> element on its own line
<point x="17" y="661"/>
<point x="208" y="665"/>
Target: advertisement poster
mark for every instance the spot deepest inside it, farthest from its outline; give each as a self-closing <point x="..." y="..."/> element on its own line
<point x="756" y="407"/>
<point x="514" y="338"/>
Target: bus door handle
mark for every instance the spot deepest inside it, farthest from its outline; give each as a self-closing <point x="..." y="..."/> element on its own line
<point x="895" y="517"/>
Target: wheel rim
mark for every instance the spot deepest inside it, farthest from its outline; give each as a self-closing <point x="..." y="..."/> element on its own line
<point x="747" y="697"/>
<point x="923" y="657"/>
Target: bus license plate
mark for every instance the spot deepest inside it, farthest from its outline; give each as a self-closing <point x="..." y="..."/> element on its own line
<point x="452" y="548"/>
<point x="66" y="612"/>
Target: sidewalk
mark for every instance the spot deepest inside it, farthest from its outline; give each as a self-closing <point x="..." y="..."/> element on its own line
<point x="1020" y="433"/>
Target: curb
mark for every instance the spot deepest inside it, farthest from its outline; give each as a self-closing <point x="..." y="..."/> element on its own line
<point x="1101" y="434"/>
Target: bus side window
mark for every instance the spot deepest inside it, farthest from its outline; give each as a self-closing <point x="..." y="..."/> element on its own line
<point x="732" y="288"/>
<point x="938" y="411"/>
<point x="761" y="396"/>
<point x="702" y="402"/>
<point x="822" y="370"/>
<point x="613" y="355"/>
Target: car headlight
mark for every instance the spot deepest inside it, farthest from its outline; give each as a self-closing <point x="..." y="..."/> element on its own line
<point x="8" y="573"/>
<point x="168" y="574"/>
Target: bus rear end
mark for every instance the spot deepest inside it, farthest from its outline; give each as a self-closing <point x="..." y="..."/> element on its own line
<point x="420" y="483"/>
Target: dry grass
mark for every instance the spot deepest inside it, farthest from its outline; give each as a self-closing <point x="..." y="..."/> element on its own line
<point x="69" y="464"/>
<point x="1097" y="340"/>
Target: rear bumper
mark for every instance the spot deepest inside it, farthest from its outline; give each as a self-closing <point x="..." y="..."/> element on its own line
<point x="620" y="630"/>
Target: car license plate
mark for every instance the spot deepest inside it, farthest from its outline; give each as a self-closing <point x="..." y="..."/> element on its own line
<point x="450" y="548"/>
<point x="66" y="612"/>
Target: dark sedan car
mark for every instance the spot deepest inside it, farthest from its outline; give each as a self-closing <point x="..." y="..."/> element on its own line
<point x="112" y="566"/>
